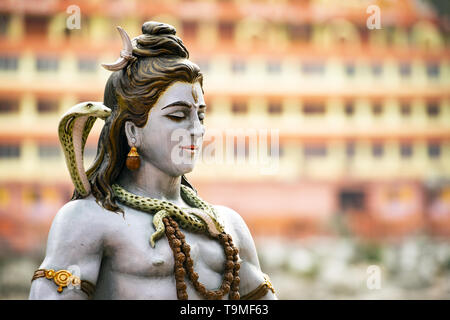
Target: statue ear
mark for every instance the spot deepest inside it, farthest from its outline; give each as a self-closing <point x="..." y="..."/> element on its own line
<point x="133" y="134"/>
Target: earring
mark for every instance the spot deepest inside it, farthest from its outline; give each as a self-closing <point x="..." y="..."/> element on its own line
<point x="133" y="161"/>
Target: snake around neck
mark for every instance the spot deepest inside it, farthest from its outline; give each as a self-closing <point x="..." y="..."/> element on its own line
<point x="73" y="130"/>
<point x="202" y="218"/>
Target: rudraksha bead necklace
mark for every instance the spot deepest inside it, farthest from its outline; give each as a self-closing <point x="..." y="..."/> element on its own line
<point x="184" y="265"/>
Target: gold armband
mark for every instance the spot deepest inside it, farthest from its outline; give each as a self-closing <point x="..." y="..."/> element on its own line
<point x="261" y="291"/>
<point x="63" y="278"/>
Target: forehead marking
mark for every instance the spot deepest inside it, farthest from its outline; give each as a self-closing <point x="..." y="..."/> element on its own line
<point x="194" y="94"/>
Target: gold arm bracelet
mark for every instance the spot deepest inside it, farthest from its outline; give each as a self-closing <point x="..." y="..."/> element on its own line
<point x="63" y="278"/>
<point x="261" y="291"/>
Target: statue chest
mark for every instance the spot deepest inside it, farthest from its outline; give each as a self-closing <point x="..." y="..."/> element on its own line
<point x="128" y="249"/>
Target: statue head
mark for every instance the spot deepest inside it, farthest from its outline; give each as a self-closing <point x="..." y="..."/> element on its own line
<point x="155" y="93"/>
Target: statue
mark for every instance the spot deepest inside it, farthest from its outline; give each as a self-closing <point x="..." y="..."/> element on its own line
<point x="108" y="241"/>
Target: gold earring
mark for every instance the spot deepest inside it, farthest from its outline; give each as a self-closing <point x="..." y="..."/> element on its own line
<point x="133" y="160"/>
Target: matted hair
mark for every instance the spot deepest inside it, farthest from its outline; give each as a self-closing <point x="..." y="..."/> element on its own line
<point x="161" y="59"/>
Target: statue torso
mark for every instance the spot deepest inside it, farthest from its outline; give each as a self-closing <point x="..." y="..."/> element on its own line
<point x="132" y="269"/>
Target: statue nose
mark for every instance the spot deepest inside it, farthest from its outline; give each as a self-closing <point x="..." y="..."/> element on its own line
<point x="197" y="129"/>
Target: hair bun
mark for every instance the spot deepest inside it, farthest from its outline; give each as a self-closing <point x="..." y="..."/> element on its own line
<point x="158" y="39"/>
<point x="155" y="28"/>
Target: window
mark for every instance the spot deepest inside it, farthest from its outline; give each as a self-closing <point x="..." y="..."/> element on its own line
<point x="273" y="67"/>
<point x="363" y="34"/>
<point x="49" y="151"/>
<point x="390" y="34"/>
<point x="7" y="106"/>
<point x="433" y="70"/>
<point x="9" y="151"/>
<point x="349" y="109"/>
<point x="377" y="150"/>
<point x="47" y="106"/>
<point x="311" y="108"/>
<point x="433" y="109"/>
<point x="377" y="69"/>
<point x="239" y="107"/>
<point x="238" y="66"/>
<point x="313" y="68"/>
<point x="314" y="150"/>
<point x="87" y="65"/>
<point x="350" y="69"/>
<point x="434" y="150"/>
<point x="350" y="149"/>
<point x="36" y="25"/>
<point x="377" y="109"/>
<point x="226" y="30"/>
<point x="406" y="150"/>
<point x="275" y="108"/>
<point x="405" y="69"/>
<point x="189" y="29"/>
<point x="351" y="200"/>
<point x="4" y="22"/>
<point x="47" y="64"/>
<point x="301" y="33"/>
<point x="8" y="63"/>
<point x="405" y="109"/>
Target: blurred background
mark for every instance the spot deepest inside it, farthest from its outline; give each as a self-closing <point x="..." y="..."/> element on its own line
<point x="363" y="116"/>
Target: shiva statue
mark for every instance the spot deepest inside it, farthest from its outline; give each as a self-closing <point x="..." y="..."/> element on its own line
<point x="108" y="241"/>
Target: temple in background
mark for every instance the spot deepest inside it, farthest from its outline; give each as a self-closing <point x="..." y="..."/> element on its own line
<point x="357" y="120"/>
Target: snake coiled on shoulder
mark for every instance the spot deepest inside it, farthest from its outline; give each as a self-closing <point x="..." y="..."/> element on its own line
<point x="73" y="130"/>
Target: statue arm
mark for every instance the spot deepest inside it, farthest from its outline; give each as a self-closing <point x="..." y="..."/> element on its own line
<point x="74" y="244"/>
<point x="250" y="272"/>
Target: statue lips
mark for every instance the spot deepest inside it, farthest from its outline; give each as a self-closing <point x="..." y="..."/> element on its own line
<point x="192" y="148"/>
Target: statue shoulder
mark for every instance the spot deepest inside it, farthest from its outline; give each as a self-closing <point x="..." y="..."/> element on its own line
<point x="234" y="220"/>
<point x="80" y="210"/>
<point x="80" y="218"/>
<point x="228" y="213"/>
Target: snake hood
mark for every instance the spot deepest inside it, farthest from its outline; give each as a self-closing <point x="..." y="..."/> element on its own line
<point x="89" y="108"/>
<point x="73" y="130"/>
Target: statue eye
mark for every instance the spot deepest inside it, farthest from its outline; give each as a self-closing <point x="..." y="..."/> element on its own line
<point x="89" y="105"/>
<point x="201" y="116"/>
<point x="178" y="114"/>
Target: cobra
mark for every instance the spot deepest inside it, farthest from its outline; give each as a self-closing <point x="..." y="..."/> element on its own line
<point x="74" y="128"/>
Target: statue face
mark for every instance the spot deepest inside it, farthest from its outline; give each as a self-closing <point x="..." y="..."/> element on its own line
<point x="172" y="138"/>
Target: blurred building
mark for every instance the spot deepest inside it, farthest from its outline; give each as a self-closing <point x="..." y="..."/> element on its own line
<point x="363" y="116"/>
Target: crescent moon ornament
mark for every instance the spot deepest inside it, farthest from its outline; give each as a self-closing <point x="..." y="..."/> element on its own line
<point x="126" y="54"/>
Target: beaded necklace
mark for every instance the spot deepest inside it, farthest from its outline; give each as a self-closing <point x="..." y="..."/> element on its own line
<point x="185" y="265"/>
